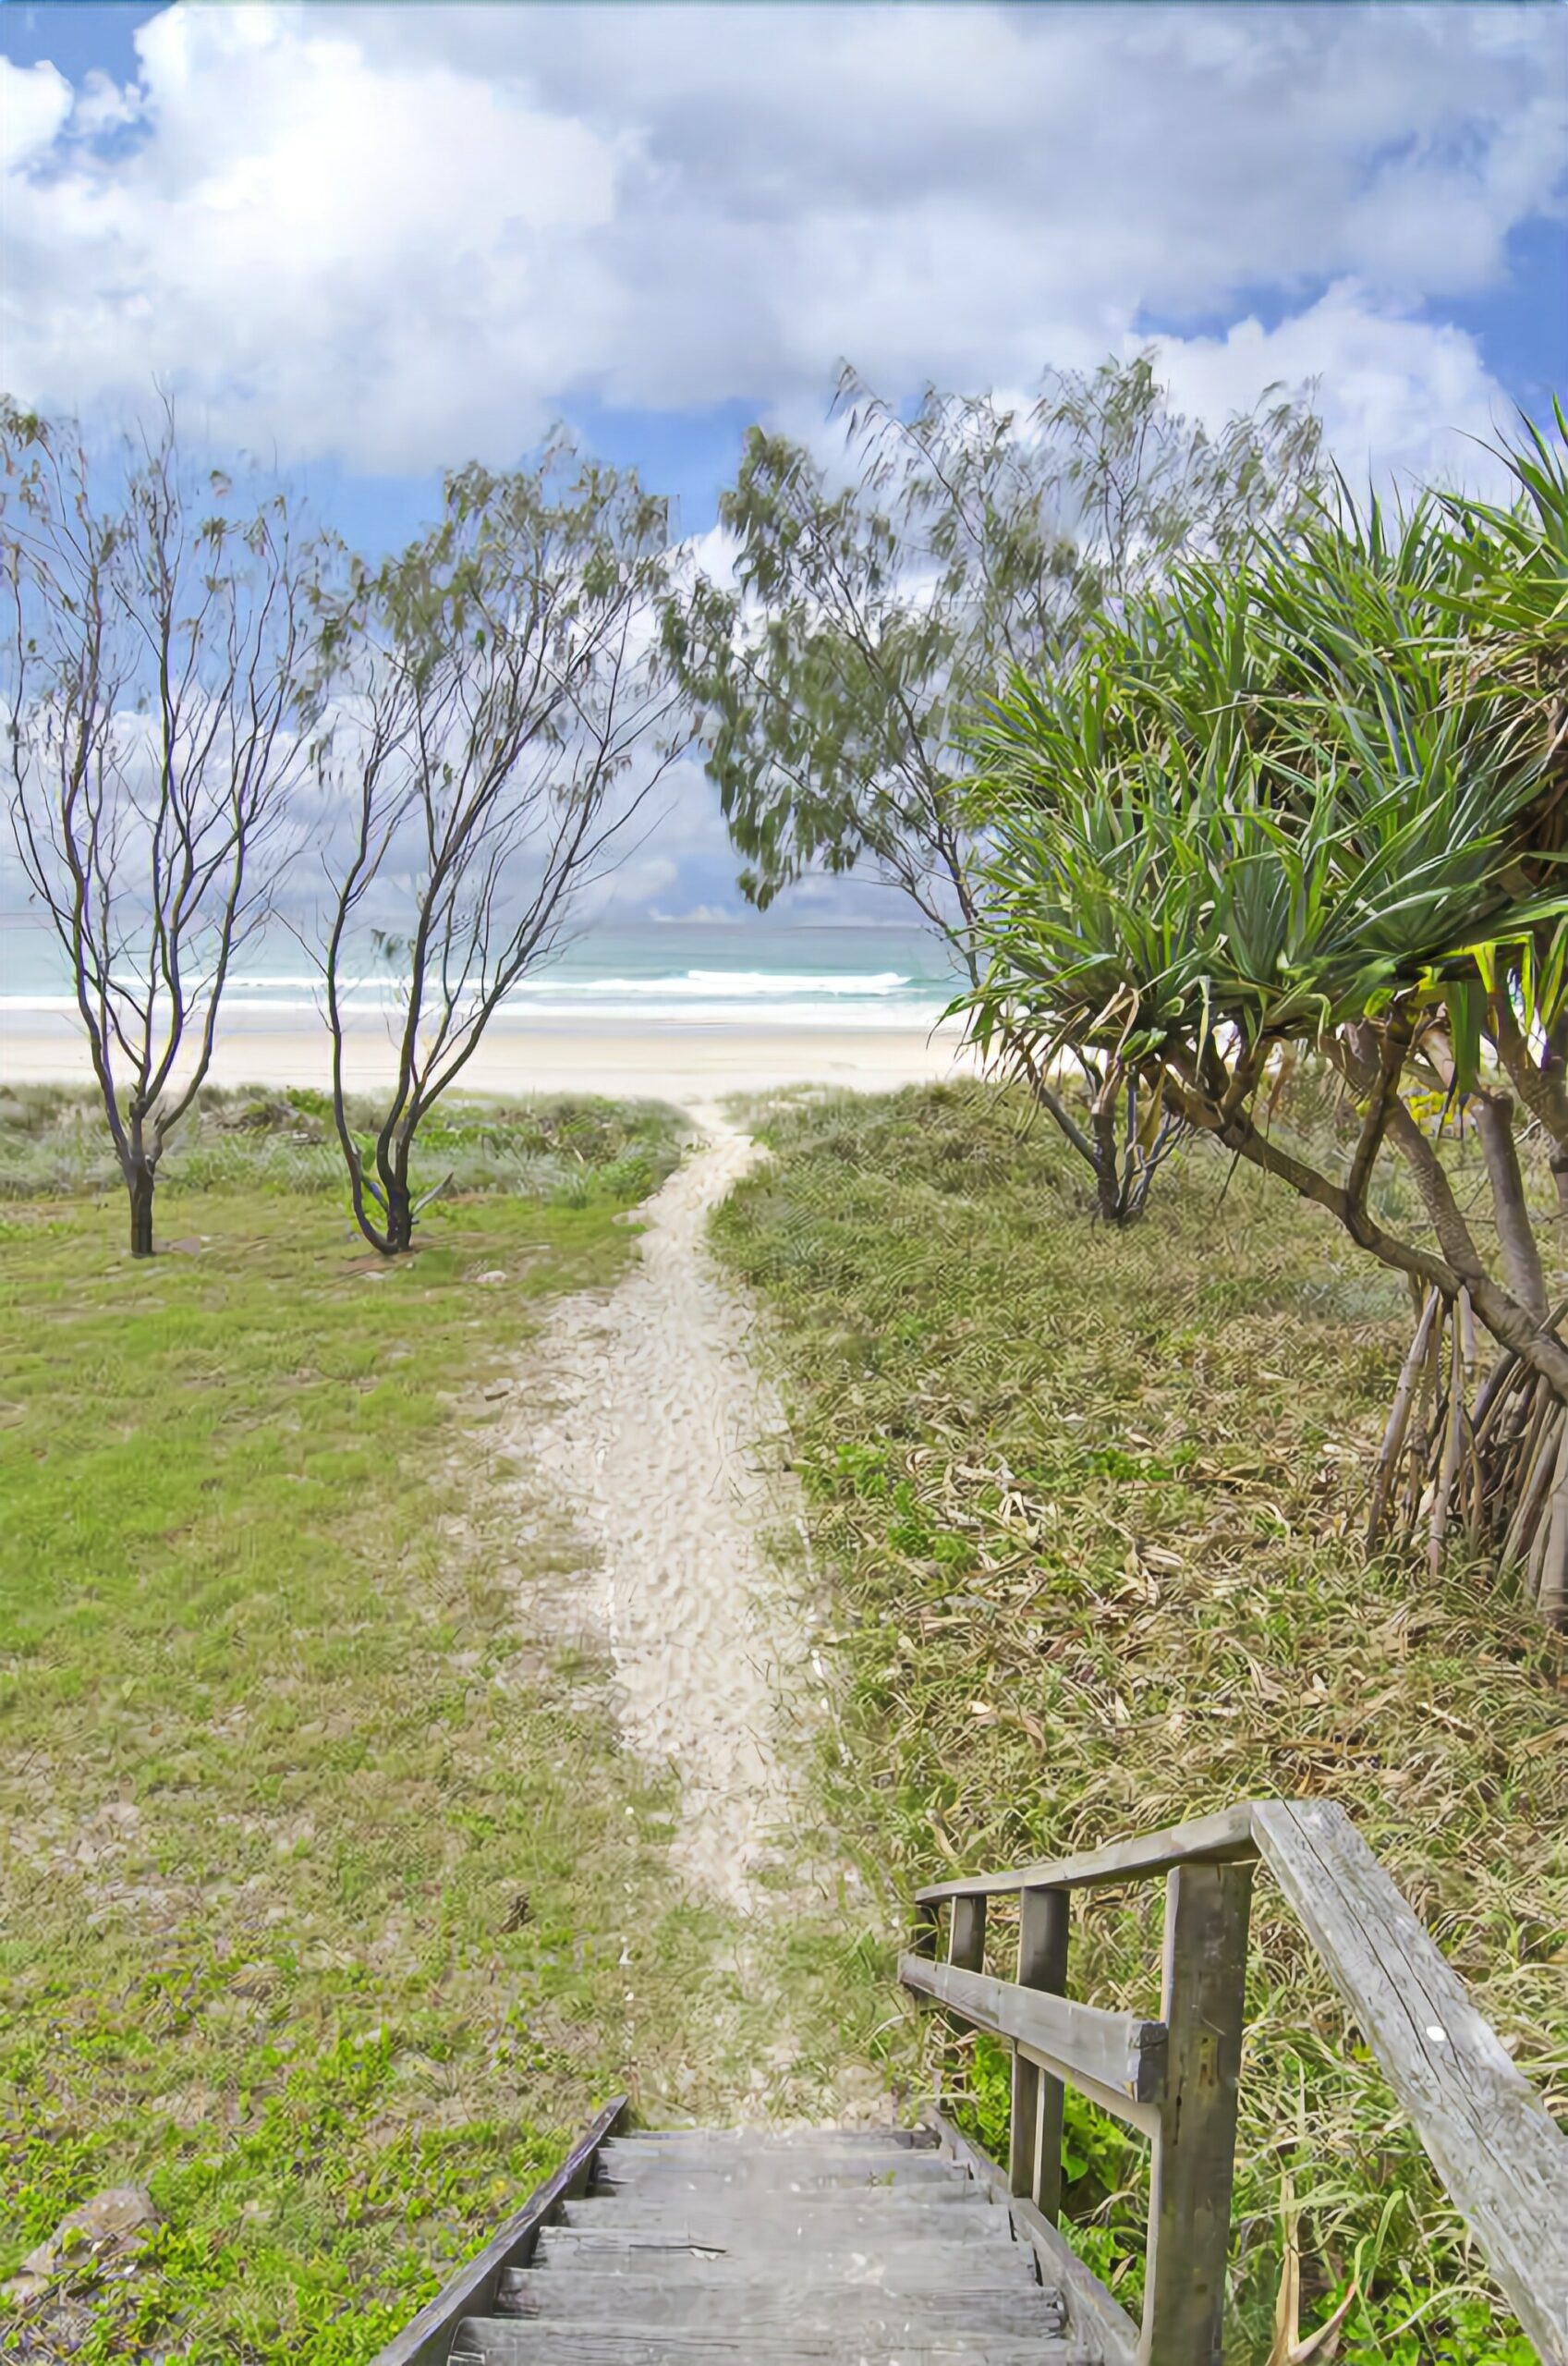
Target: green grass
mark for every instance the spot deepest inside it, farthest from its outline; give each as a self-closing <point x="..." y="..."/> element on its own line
<point x="329" y="1905"/>
<point x="54" y="1140"/>
<point x="1088" y="1503"/>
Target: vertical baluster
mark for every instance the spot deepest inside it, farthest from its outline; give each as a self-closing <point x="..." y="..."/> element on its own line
<point x="967" y="1951"/>
<point x="1035" y="2151"/>
<point x="1189" y="2217"/>
<point x="966" y="1939"/>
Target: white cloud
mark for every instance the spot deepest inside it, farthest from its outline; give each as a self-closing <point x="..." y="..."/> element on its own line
<point x="1400" y="399"/>
<point x="35" y="103"/>
<point x="399" y="235"/>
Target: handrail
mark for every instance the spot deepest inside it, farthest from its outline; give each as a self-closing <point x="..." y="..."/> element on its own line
<point x="426" y="2339"/>
<point x="1114" y="2055"/>
<point x="1208" y="1839"/>
<point x="1502" y="2158"/>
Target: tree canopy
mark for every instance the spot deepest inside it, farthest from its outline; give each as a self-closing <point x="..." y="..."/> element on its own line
<point x="874" y="604"/>
<point x="1315" y="794"/>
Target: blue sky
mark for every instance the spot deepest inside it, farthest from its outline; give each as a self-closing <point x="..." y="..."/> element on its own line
<point x="378" y="240"/>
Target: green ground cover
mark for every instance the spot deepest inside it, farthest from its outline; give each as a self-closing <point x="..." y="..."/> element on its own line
<point x="329" y="1906"/>
<point x="1086" y="1506"/>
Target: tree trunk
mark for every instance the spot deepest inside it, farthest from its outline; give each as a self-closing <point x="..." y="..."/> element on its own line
<point x="138" y="1183"/>
<point x="1483" y="1472"/>
<point x="399" y="1214"/>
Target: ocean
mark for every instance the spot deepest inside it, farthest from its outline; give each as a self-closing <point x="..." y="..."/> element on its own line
<point x="744" y="973"/>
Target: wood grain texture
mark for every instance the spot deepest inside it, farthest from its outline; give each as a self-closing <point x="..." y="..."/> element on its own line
<point x="1189" y="2216"/>
<point x="707" y="2247"/>
<point x="1504" y="2160"/>
<point x="503" y="2341"/>
<point x="1123" y="2056"/>
<point x="1218" y="1837"/>
<point x="1093" y="2315"/>
<point x="1035" y="2132"/>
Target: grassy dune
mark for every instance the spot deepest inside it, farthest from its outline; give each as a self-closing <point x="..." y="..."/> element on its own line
<point x="1088" y="1505"/>
<point x="328" y="1903"/>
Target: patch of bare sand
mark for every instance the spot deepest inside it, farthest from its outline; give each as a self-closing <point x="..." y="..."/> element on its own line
<point x="653" y="1424"/>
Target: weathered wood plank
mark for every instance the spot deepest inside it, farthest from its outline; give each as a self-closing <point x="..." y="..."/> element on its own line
<point x="1092" y="2313"/>
<point x="1189" y="2217"/>
<point x="1123" y="2056"/>
<point x="1504" y="2160"/>
<point x="518" y="2341"/>
<point x="759" y="2304"/>
<point x="1209" y="1837"/>
<point x="1035" y="2131"/>
<point x="966" y="1936"/>
<point x="966" y="1949"/>
<point x="426" y="2339"/>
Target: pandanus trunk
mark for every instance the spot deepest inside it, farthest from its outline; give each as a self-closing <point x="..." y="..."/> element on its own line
<point x="1482" y="1470"/>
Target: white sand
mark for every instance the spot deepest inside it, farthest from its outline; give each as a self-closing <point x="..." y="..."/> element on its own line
<point x="657" y="1430"/>
<point x="683" y="1061"/>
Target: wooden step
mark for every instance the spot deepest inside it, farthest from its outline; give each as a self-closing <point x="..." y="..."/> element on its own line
<point x="513" y="2341"/>
<point x="759" y="2305"/>
<point x="859" y="2251"/>
<point x="627" y="2167"/>
<point x="813" y="2144"/>
<point x="739" y="2198"/>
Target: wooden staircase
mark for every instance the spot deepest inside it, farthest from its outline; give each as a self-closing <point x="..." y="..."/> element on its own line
<point x="760" y="2251"/>
<point x="912" y="2249"/>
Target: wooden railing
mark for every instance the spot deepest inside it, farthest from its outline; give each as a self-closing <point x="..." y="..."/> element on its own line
<point x="1501" y="2157"/>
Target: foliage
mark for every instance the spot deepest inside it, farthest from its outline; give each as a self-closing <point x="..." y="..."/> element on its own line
<point x="154" y="677"/>
<point x="1087" y="1507"/>
<point x="487" y="695"/>
<point x="559" y="1152"/>
<point x="872" y="608"/>
<point x="1316" y="797"/>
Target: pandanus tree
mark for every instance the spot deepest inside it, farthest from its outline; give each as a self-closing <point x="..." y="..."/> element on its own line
<point x="872" y="602"/>
<point x="494" y="716"/>
<point x="1318" y="800"/>
<point x="158" y="620"/>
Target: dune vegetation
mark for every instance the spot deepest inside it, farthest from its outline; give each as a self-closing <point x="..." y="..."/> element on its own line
<point x="1089" y="1504"/>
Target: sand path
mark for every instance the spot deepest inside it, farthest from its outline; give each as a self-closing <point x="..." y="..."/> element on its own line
<point x="660" y="1433"/>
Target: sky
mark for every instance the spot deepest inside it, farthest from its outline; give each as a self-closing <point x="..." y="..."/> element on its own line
<point x="377" y="241"/>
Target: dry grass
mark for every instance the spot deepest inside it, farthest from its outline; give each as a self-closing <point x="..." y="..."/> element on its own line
<point x="1089" y="1502"/>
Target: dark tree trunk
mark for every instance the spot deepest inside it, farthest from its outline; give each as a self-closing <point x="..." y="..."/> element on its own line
<point x="139" y="1182"/>
<point x="399" y="1212"/>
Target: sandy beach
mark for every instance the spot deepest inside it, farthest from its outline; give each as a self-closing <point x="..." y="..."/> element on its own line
<point x="666" y="1060"/>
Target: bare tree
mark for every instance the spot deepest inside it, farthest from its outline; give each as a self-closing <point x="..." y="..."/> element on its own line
<point x="497" y="711"/>
<point x="156" y="634"/>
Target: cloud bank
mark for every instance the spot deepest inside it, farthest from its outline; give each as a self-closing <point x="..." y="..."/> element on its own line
<point x="396" y="237"/>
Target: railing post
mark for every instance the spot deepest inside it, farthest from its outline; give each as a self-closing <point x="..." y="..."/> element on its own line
<point x="1189" y="2217"/>
<point x="966" y="1952"/>
<point x="1035" y="2150"/>
<point x="967" y="1938"/>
